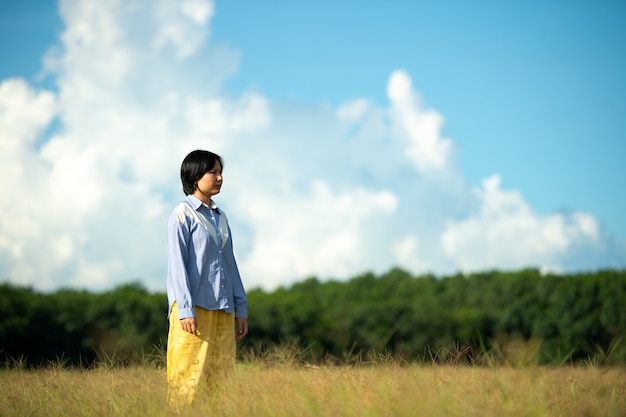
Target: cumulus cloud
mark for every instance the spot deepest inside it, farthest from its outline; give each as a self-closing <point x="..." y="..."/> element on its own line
<point x="426" y="147"/>
<point x="24" y="115"/>
<point x="506" y="233"/>
<point x="89" y="171"/>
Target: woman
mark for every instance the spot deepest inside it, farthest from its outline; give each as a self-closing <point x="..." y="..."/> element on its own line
<point x="207" y="301"/>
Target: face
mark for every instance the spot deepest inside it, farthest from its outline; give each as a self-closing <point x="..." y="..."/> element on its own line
<point x="209" y="184"/>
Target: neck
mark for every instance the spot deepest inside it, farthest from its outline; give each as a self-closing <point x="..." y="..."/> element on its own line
<point x="205" y="198"/>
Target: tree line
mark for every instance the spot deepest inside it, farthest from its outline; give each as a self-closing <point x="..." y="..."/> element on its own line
<point x="567" y="317"/>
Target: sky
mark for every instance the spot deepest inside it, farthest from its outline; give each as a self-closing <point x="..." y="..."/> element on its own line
<point x="358" y="136"/>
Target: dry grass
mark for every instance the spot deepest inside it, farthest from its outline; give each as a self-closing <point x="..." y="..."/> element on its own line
<point x="383" y="389"/>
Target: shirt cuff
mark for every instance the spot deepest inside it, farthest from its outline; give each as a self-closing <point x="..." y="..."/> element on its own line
<point x="241" y="313"/>
<point x="184" y="313"/>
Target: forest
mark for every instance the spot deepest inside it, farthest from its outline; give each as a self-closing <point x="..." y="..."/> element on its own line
<point x="567" y="318"/>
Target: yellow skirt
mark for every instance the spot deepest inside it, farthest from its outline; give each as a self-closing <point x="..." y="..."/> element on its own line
<point x="196" y="362"/>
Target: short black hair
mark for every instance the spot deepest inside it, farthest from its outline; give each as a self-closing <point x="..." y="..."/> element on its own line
<point x="195" y="165"/>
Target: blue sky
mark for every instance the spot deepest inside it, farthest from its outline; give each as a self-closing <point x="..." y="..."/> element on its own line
<point x="531" y="92"/>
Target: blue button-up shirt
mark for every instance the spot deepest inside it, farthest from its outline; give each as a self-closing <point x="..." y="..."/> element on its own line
<point x="201" y="267"/>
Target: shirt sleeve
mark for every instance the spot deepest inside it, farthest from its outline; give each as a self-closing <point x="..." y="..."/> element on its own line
<point x="241" y="300"/>
<point x="178" y="237"/>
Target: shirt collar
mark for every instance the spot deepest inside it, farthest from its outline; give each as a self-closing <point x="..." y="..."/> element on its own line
<point x="196" y="203"/>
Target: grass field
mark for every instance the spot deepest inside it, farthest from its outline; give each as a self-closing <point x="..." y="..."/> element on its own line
<point x="372" y="389"/>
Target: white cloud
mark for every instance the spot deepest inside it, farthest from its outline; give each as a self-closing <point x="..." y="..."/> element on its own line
<point x="354" y="111"/>
<point x="24" y="112"/>
<point x="322" y="232"/>
<point x="172" y="22"/>
<point x="427" y="148"/>
<point x="24" y="115"/>
<point x="506" y="233"/>
<point x="198" y="11"/>
<point x="407" y="252"/>
<point x="89" y="173"/>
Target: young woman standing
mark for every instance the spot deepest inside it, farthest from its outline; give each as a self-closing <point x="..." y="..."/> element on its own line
<point x="207" y="301"/>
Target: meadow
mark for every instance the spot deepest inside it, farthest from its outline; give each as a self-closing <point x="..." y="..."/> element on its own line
<point x="383" y="387"/>
<point x="490" y="344"/>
